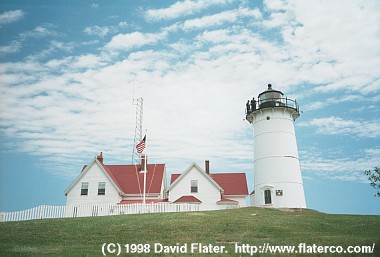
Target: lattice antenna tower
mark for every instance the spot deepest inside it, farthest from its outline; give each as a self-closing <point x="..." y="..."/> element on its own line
<point x="138" y="129"/>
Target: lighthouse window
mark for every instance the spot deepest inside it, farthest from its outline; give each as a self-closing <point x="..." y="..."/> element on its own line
<point x="267" y="197"/>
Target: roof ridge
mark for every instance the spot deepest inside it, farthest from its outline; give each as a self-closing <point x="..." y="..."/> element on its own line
<point x="112" y="176"/>
<point x="133" y="164"/>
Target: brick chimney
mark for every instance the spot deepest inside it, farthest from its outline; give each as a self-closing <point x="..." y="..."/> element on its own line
<point x="100" y="157"/>
<point x="207" y="166"/>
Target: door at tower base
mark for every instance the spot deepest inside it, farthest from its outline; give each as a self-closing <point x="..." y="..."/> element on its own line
<point x="280" y="195"/>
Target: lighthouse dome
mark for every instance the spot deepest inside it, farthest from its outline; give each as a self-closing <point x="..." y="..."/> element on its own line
<point x="270" y="98"/>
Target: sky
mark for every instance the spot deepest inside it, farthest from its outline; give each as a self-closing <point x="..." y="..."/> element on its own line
<point x="69" y="71"/>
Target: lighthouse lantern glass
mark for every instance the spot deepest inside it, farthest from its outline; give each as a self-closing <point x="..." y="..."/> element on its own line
<point x="271" y="98"/>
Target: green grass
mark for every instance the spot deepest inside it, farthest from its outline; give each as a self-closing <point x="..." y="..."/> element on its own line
<point x="254" y="226"/>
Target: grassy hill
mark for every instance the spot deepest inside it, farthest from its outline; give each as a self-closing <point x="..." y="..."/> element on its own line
<point x="253" y="226"/>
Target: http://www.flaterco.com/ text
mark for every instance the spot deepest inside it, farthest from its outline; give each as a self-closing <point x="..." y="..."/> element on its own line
<point x="116" y="249"/>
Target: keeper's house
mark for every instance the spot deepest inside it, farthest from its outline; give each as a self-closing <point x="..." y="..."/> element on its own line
<point x="211" y="191"/>
<point x="99" y="183"/>
<point x="116" y="184"/>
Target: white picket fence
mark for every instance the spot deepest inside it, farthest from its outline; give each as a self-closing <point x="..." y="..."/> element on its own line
<point x="50" y="212"/>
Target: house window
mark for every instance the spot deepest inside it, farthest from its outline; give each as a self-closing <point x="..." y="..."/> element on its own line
<point x="84" y="189"/>
<point x="194" y="186"/>
<point x="267" y="197"/>
<point x="102" y="188"/>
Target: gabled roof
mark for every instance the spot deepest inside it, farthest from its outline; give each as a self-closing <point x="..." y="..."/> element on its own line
<point x="180" y="176"/>
<point x="227" y="201"/>
<point x="231" y="183"/>
<point x="131" y="180"/>
<point x="174" y="177"/>
<point x="102" y="168"/>
<point x="128" y="179"/>
<point x="187" y="199"/>
<point x="141" y="201"/>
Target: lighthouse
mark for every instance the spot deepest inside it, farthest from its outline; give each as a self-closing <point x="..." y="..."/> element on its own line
<point x="277" y="175"/>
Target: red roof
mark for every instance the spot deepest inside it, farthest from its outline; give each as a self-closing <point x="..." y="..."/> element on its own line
<point x="232" y="183"/>
<point x="188" y="199"/>
<point x="140" y="201"/>
<point x="174" y="177"/>
<point x="130" y="180"/>
<point x="227" y="201"/>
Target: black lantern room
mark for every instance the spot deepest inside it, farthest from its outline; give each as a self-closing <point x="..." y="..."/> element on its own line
<point x="270" y="98"/>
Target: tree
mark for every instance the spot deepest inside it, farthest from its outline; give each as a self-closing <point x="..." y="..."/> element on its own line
<point x="374" y="177"/>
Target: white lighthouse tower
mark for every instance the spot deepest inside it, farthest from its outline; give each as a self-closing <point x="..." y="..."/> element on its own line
<point x="277" y="175"/>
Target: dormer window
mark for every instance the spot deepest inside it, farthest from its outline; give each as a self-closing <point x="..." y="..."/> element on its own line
<point x="84" y="188"/>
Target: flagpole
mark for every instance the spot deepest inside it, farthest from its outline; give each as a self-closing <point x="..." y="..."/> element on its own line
<point x="144" y="181"/>
<point x="145" y="171"/>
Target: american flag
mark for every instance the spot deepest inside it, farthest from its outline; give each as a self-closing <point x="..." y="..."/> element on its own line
<point x="141" y="146"/>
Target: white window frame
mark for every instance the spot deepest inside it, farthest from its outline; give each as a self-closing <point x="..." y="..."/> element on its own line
<point x="84" y="188"/>
<point x="193" y="189"/>
<point x="103" y="188"/>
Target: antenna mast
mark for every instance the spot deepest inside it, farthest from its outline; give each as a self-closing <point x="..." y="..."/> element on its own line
<point x="138" y="129"/>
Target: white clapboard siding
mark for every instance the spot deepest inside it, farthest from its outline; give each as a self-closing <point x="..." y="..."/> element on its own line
<point x="73" y="211"/>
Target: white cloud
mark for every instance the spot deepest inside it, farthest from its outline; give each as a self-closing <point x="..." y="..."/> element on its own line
<point x="133" y="40"/>
<point x="97" y="31"/>
<point x="330" y="166"/>
<point x="211" y="20"/>
<point x="220" y="18"/>
<point x="88" y="61"/>
<point x="215" y="36"/>
<point x="61" y="45"/>
<point x="344" y="37"/>
<point x="102" y="31"/>
<point x="275" y="5"/>
<point x="58" y="110"/>
<point x="339" y="126"/>
<point x="38" y="32"/>
<point x="316" y="105"/>
<point x="14" y="47"/>
<point x="194" y="86"/>
<point x="180" y="9"/>
<point x="123" y="24"/>
<point x="10" y="17"/>
<point x="53" y="47"/>
<point x="74" y="63"/>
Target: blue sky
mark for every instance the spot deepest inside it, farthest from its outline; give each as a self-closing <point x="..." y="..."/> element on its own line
<point x="69" y="70"/>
